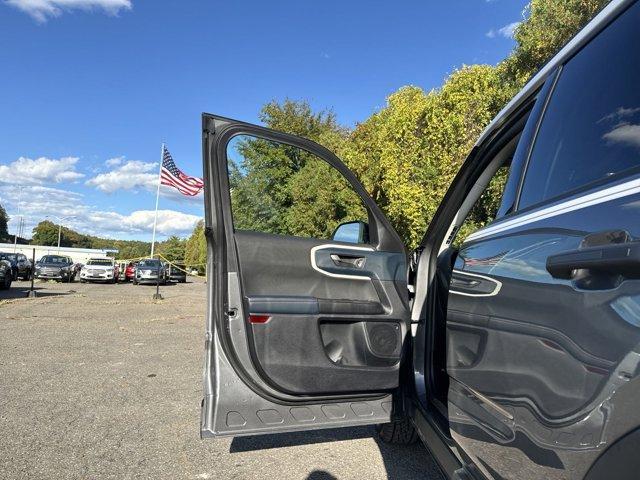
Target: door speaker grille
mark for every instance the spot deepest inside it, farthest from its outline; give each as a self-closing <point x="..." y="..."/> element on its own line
<point x="384" y="339"/>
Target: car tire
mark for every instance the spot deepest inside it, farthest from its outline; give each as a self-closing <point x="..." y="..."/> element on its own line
<point x="401" y="432"/>
<point x="6" y="285"/>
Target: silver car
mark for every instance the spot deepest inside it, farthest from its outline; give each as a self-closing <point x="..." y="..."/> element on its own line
<point x="150" y="270"/>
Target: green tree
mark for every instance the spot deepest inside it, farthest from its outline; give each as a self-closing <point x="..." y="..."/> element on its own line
<point x="4" y="221"/>
<point x="408" y="153"/>
<point x="46" y="233"/>
<point x="282" y="189"/>
<point x="195" y="255"/>
<point x="547" y="27"/>
<point x="173" y="249"/>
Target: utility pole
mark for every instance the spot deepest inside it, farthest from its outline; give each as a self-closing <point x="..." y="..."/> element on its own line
<point x="18" y="233"/>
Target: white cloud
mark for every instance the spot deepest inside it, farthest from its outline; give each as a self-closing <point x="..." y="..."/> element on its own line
<point x="507" y="31"/>
<point x="619" y="114"/>
<point x="128" y="176"/>
<point x="169" y="221"/>
<point x="36" y="202"/>
<point x="628" y="134"/>
<point x="134" y="175"/>
<point x="114" y="162"/>
<point x="40" y="170"/>
<point x="42" y="10"/>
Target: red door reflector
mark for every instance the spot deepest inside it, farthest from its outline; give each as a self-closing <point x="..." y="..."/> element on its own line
<point x="259" y="318"/>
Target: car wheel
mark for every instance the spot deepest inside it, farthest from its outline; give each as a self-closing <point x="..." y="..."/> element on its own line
<point x="401" y="432"/>
<point x="6" y="285"/>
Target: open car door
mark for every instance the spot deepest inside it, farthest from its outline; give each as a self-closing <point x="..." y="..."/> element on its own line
<point x="305" y="330"/>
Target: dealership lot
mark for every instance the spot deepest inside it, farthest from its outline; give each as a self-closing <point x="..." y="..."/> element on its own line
<point x="101" y="381"/>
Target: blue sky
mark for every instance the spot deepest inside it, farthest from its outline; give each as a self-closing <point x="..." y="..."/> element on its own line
<point x="90" y="88"/>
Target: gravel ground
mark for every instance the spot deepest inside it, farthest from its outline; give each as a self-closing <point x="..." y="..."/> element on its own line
<point x="100" y="381"/>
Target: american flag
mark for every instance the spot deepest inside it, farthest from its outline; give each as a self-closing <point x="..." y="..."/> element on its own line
<point x="174" y="177"/>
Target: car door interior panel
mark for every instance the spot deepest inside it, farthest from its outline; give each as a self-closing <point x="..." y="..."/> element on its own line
<point x="330" y="333"/>
<point x="304" y="332"/>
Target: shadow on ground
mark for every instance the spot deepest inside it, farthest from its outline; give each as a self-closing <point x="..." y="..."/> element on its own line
<point x="22" y="291"/>
<point x="403" y="462"/>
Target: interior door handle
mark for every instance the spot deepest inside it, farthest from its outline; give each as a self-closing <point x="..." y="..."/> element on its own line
<point x="621" y="259"/>
<point x="349" y="261"/>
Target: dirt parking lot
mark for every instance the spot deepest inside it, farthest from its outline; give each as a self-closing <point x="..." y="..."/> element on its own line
<point x="100" y="381"/>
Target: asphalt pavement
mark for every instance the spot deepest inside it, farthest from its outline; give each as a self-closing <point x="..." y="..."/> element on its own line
<point x="103" y="382"/>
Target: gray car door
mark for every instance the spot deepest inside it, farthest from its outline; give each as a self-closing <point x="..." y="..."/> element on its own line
<point x="543" y="321"/>
<point x="303" y="332"/>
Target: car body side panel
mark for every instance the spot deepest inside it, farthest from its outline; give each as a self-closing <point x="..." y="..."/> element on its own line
<point x="538" y="366"/>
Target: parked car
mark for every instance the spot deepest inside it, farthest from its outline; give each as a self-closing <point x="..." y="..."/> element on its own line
<point x="20" y="265"/>
<point x="55" y="267"/>
<point x="6" y="274"/>
<point x="178" y="272"/>
<point x="100" y="269"/>
<point x="512" y="352"/>
<point x="150" y="270"/>
<point x="129" y="272"/>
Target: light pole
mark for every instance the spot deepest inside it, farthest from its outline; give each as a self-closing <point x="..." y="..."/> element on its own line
<point x="60" y="220"/>
<point x="19" y="232"/>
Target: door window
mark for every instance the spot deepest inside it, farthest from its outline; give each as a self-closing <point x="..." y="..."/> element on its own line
<point x="282" y="189"/>
<point x="485" y="210"/>
<point x="591" y="129"/>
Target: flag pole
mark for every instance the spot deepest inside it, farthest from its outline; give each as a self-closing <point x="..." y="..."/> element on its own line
<point x="155" y="221"/>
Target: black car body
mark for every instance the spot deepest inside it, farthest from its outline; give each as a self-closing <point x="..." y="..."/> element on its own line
<point x="178" y="272"/>
<point x="150" y="270"/>
<point x="55" y="267"/>
<point x="6" y="274"/>
<point x="513" y="352"/>
<point x="20" y="265"/>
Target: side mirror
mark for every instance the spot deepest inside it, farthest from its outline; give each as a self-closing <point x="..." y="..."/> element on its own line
<point x="352" y="232"/>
